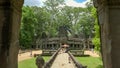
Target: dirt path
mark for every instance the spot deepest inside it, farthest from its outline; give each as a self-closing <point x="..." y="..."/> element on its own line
<point x="26" y="55"/>
<point x="93" y="54"/>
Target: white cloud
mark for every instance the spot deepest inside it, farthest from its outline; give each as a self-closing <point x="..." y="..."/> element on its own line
<point x="43" y="0"/>
<point x="76" y="4"/>
<point x="72" y="3"/>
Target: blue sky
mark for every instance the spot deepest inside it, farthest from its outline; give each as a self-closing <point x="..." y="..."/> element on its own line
<point x="80" y="1"/>
<point x="33" y="2"/>
<point x="73" y="3"/>
<point x="76" y="3"/>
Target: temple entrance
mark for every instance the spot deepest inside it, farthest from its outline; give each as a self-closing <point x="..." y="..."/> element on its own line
<point x="51" y="45"/>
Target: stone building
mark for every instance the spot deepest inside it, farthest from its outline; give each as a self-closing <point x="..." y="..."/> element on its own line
<point x="50" y="45"/>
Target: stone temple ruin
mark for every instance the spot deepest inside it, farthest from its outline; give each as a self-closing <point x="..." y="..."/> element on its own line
<point x="50" y="45"/>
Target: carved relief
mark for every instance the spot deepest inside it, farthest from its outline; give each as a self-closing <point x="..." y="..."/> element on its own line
<point x="99" y="2"/>
<point x="17" y="4"/>
<point x="100" y="5"/>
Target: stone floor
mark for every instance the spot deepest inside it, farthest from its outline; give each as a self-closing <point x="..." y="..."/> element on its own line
<point x="63" y="61"/>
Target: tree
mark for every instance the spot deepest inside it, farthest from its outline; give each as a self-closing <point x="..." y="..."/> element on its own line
<point x="47" y="20"/>
<point x="96" y="39"/>
<point x="27" y="27"/>
<point x="42" y="24"/>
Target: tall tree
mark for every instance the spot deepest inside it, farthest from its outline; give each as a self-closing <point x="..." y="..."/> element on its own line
<point x="52" y="7"/>
<point x="27" y="27"/>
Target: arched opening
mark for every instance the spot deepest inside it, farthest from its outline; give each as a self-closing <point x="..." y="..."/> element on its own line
<point x="55" y="20"/>
<point x="108" y="15"/>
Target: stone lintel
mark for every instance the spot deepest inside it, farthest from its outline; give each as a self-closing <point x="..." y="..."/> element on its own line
<point x="102" y="4"/>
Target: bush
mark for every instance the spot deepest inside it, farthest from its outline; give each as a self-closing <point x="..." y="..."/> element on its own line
<point x="96" y="42"/>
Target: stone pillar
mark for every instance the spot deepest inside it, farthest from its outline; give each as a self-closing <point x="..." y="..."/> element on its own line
<point x="109" y="21"/>
<point x="52" y="46"/>
<point x="58" y="46"/>
<point x="45" y="46"/>
<point x="10" y="16"/>
<point x="73" y="46"/>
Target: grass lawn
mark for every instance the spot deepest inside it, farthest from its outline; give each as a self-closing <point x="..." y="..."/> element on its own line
<point x="30" y="63"/>
<point x="90" y="62"/>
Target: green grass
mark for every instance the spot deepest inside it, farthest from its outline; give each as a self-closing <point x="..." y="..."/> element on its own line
<point x="30" y="63"/>
<point x="90" y="62"/>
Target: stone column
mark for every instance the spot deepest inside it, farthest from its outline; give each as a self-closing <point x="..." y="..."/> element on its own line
<point x="45" y="46"/>
<point x="58" y="46"/>
<point x="109" y="21"/>
<point x="10" y="16"/>
<point x="72" y="46"/>
<point x="52" y="45"/>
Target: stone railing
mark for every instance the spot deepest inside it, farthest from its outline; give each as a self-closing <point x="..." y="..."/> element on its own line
<point x="49" y="63"/>
<point x="77" y="64"/>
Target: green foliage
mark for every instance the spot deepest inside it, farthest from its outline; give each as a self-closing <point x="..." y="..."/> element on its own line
<point x="38" y="20"/>
<point x="42" y="18"/>
<point x="27" y="27"/>
<point x="96" y="39"/>
<point x="96" y="42"/>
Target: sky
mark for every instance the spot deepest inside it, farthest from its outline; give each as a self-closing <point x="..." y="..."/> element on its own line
<point x="74" y="3"/>
<point x="80" y="1"/>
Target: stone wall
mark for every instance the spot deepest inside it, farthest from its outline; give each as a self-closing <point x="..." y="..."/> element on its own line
<point x="109" y="21"/>
<point x="10" y="16"/>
